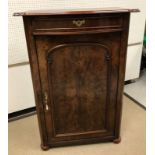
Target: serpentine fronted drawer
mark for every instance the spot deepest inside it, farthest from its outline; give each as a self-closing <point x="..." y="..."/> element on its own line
<point x="76" y="22"/>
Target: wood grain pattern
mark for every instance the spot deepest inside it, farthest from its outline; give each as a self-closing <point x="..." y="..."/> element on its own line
<point x="79" y="80"/>
<point x="81" y="71"/>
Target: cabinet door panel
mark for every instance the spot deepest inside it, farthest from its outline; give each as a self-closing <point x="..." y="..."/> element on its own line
<point x="76" y="75"/>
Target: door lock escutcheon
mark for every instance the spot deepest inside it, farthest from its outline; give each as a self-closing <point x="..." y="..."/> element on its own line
<point x="45" y="100"/>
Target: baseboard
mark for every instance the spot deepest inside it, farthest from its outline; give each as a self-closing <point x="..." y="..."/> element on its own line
<point x="21" y="114"/>
<point x="142" y="106"/>
<point x="129" y="81"/>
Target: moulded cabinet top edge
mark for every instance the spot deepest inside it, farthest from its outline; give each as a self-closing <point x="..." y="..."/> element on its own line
<point x="74" y="11"/>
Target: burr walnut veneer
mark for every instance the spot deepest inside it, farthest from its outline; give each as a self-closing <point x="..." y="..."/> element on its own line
<point x="77" y="61"/>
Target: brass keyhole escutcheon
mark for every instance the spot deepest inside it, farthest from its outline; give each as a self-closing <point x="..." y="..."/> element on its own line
<point x="79" y="23"/>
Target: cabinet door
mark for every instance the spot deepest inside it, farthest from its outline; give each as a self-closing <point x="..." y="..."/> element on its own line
<point x="79" y="76"/>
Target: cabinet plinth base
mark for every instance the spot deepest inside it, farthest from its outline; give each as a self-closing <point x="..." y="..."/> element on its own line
<point x="117" y="141"/>
<point x="44" y="147"/>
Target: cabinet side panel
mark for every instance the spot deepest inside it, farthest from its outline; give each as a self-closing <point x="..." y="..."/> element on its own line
<point x="122" y="65"/>
<point x="35" y="78"/>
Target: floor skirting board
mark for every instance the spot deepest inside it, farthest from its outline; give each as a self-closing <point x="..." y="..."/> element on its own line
<point x="21" y="114"/>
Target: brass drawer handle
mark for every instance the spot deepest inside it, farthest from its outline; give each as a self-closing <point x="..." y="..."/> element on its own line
<point x="79" y="23"/>
<point x="45" y="100"/>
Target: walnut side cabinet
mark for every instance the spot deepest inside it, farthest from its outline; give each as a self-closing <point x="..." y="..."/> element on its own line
<point x="77" y="60"/>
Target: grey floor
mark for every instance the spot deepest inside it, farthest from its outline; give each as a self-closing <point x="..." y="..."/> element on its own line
<point x="137" y="90"/>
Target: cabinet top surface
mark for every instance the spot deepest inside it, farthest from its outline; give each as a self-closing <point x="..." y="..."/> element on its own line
<point x="74" y="11"/>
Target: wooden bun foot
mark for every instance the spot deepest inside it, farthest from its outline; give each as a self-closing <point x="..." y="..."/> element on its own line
<point x="117" y="141"/>
<point x="44" y="147"/>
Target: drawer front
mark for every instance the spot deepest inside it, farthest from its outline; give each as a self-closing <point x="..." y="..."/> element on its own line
<point x="48" y="23"/>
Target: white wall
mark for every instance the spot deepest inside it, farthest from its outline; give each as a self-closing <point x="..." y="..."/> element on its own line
<point x="133" y="62"/>
<point x="21" y="95"/>
<point x="20" y="84"/>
